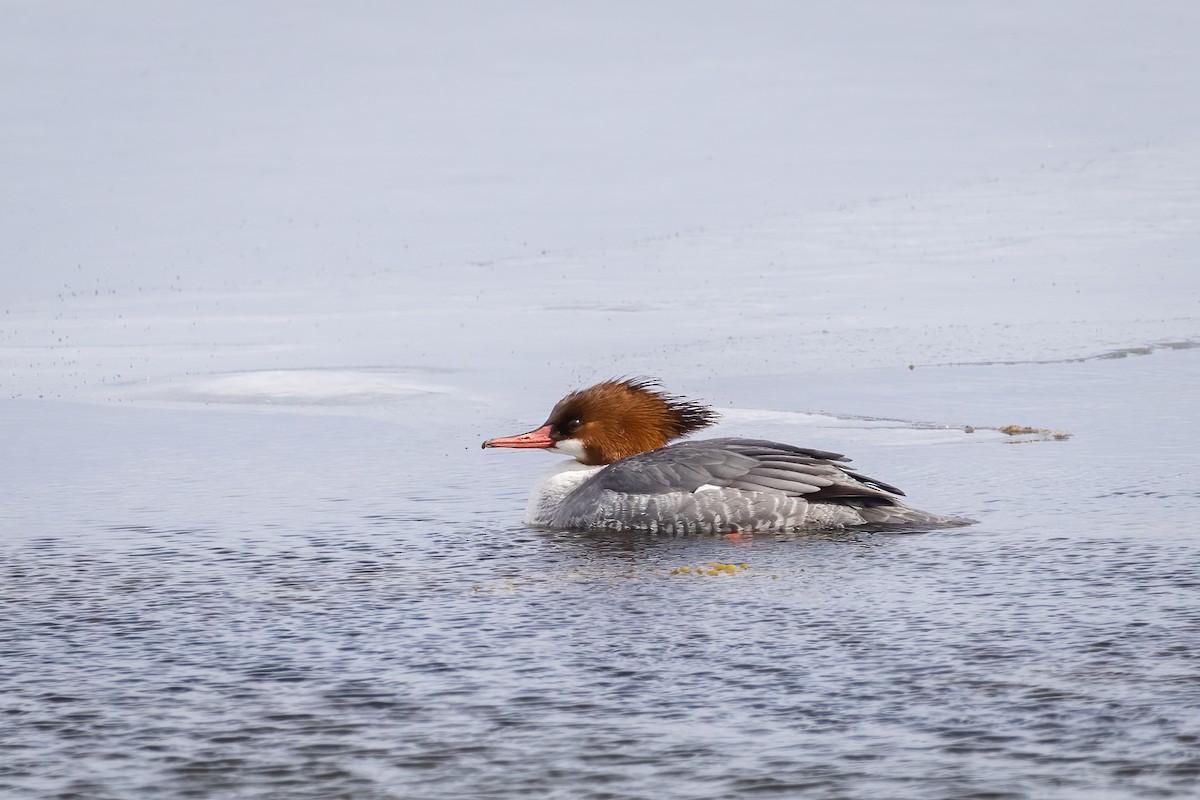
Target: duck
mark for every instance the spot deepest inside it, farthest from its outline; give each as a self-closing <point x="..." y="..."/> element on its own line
<point x="626" y="471"/>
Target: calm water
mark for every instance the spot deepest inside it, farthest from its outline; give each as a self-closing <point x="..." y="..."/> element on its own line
<point x="275" y="605"/>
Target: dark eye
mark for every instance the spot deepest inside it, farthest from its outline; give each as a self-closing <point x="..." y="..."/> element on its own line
<point x="573" y="423"/>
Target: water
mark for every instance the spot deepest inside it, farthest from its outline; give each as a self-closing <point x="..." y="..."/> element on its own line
<point x="218" y="619"/>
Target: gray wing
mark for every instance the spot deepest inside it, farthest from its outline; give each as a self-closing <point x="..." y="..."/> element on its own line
<point x="752" y="465"/>
<point x="719" y="485"/>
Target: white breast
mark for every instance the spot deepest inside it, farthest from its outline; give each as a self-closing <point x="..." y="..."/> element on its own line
<point x="554" y="486"/>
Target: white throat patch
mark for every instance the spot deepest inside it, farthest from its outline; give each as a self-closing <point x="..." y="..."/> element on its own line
<point x="569" y="447"/>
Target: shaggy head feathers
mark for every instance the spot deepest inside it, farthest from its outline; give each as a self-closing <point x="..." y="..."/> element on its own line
<point x="619" y="418"/>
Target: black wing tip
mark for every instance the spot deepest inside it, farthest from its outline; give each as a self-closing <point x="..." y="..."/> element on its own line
<point x="874" y="483"/>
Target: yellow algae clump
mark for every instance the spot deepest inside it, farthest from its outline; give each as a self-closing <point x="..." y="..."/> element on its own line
<point x="1024" y="430"/>
<point x="713" y="569"/>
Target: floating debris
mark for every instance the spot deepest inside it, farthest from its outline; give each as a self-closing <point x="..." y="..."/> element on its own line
<point x="713" y="569"/>
<point x="1023" y="430"/>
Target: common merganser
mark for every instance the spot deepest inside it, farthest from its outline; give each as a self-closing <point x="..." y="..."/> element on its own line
<point x="625" y="476"/>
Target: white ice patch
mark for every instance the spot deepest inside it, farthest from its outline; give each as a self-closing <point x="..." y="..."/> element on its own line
<point x="750" y="415"/>
<point x="852" y="429"/>
<point x="299" y="387"/>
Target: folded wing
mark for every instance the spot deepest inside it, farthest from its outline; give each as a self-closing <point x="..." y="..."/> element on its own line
<point x="750" y="465"/>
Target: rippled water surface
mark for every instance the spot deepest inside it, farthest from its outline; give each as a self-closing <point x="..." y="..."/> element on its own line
<point x="226" y="621"/>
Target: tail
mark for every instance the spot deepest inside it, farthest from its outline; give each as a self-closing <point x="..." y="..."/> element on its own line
<point x="897" y="515"/>
<point x="876" y="512"/>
